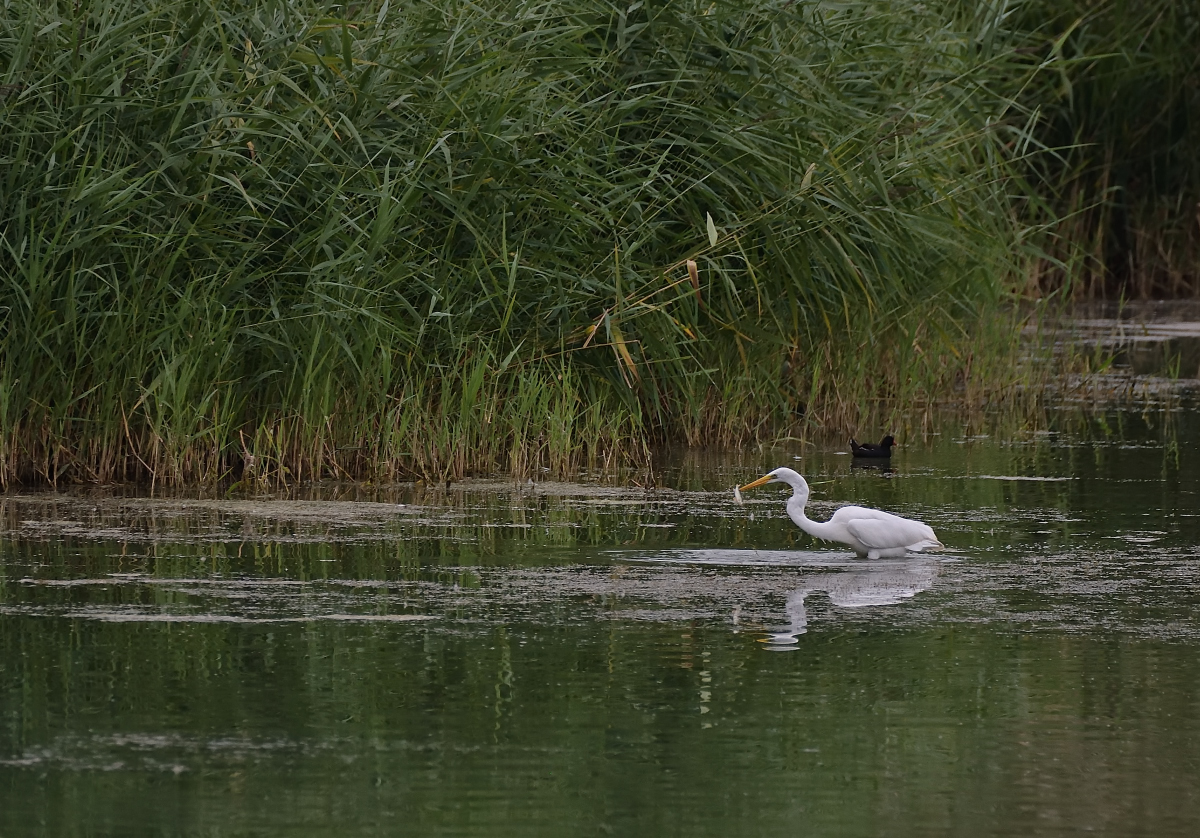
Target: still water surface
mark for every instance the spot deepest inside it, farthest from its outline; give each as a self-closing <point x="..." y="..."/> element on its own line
<point x="595" y="658"/>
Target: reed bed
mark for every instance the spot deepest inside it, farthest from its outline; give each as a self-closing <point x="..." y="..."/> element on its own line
<point x="1119" y="185"/>
<point x="279" y="241"/>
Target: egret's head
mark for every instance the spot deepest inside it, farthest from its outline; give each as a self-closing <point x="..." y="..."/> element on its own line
<point x="779" y="475"/>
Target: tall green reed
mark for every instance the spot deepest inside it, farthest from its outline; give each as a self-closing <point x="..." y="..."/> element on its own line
<point x="285" y="240"/>
<point x="1119" y="94"/>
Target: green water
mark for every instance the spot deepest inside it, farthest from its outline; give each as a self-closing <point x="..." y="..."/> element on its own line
<point x="601" y="659"/>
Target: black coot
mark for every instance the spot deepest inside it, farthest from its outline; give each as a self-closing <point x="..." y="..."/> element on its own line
<point x="870" y="450"/>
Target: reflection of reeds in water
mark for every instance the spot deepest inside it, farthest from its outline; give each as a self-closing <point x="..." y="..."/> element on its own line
<point x="1098" y="356"/>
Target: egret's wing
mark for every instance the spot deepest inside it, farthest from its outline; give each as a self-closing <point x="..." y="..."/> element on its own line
<point x="892" y="531"/>
<point x="928" y="544"/>
<point x="846" y="514"/>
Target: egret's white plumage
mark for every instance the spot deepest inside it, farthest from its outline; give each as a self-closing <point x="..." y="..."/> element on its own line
<point x="869" y="532"/>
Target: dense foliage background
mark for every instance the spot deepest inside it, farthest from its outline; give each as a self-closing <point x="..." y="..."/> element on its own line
<point x="1120" y="115"/>
<point x="292" y="239"/>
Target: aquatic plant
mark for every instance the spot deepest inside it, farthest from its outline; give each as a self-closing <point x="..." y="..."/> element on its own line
<point x="284" y="240"/>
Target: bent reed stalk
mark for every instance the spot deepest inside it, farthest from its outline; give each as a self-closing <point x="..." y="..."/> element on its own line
<point x="289" y="240"/>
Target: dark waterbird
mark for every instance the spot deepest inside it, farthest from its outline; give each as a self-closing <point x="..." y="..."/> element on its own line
<point x="870" y="450"/>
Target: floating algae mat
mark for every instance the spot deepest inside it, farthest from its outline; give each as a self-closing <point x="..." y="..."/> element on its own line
<point x="499" y="658"/>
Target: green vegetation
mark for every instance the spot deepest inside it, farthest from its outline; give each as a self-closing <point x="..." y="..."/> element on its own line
<point x="283" y="240"/>
<point x="1122" y="184"/>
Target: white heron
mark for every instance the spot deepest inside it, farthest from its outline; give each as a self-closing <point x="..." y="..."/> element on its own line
<point x="869" y="532"/>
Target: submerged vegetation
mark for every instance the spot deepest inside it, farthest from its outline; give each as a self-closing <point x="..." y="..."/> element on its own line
<point x="285" y="240"/>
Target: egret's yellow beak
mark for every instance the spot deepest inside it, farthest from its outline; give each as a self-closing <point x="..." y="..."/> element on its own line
<point x="762" y="481"/>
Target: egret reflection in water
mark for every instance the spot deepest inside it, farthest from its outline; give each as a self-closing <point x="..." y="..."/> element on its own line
<point x="852" y="589"/>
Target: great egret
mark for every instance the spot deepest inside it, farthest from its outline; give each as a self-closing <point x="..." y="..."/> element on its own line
<point x="882" y="451"/>
<point x="869" y="532"/>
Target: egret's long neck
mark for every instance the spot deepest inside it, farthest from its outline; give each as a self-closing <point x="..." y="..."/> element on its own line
<point x="795" y="511"/>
